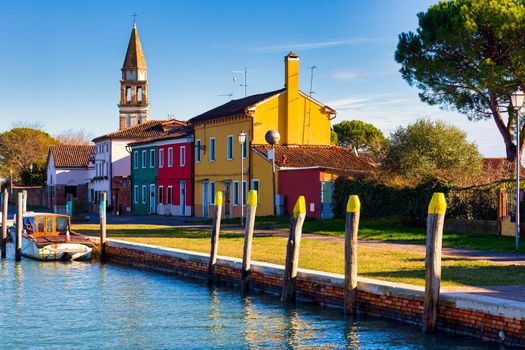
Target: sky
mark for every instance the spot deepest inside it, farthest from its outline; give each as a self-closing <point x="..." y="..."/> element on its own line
<point x="61" y="60"/>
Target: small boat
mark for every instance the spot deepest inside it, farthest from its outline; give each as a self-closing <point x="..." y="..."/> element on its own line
<point x="48" y="236"/>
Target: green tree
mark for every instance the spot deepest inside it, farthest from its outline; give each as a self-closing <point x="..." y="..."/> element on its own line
<point x="334" y="138"/>
<point x="22" y="146"/>
<point x="428" y="149"/>
<point x="469" y="55"/>
<point x="359" y="135"/>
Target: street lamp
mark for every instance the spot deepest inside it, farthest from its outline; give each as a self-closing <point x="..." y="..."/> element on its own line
<point x="242" y="141"/>
<point x="517" y="99"/>
<point x="31" y="174"/>
<point x="273" y="137"/>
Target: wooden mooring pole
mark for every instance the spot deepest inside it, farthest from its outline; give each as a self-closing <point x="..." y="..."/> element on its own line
<point x="292" y="251"/>
<point x="102" y="215"/>
<point x="215" y="235"/>
<point x="435" y="221"/>
<point x="5" y="206"/>
<point x="69" y="204"/>
<point x="353" y="208"/>
<point x="248" y="239"/>
<point x="24" y="201"/>
<point x="19" y="226"/>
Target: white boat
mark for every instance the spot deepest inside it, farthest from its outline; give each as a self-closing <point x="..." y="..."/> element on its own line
<point x="48" y="236"/>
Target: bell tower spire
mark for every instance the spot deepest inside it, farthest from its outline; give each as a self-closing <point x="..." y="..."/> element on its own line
<point x="134" y="105"/>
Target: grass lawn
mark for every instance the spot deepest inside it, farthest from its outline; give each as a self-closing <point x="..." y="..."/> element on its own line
<point x="379" y="263"/>
<point x="389" y="229"/>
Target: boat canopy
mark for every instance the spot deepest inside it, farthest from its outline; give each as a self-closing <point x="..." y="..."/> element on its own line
<point x="46" y="225"/>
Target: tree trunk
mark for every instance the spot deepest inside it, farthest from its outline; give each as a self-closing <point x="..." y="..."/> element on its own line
<point x="510" y="148"/>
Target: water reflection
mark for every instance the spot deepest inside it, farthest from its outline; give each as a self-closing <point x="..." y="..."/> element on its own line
<point x="111" y="307"/>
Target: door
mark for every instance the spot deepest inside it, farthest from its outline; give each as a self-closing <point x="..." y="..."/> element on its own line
<point x="227" y="199"/>
<point x="327" y="188"/>
<point x="183" y="198"/>
<point x="205" y="199"/>
<point x="152" y="200"/>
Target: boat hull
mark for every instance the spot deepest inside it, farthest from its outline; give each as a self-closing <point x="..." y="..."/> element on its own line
<point x="66" y="251"/>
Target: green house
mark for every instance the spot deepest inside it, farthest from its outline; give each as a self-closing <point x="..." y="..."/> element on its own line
<point x="143" y="179"/>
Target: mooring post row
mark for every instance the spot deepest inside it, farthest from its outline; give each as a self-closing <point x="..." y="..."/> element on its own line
<point x="248" y="240"/>
<point x="435" y="221"/>
<point x="216" y="228"/>
<point x="291" y="264"/>
<point x="3" y="243"/>
<point x="353" y="209"/>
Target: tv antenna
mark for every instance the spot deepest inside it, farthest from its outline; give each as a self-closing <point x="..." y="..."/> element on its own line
<point x="245" y="72"/>
<point x="231" y="94"/>
<point x="312" y="80"/>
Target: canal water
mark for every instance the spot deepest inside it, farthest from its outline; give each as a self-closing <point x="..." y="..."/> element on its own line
<point x="56" y="305"/>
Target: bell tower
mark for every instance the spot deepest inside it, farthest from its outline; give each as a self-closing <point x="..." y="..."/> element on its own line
<point x="134" y="105"/>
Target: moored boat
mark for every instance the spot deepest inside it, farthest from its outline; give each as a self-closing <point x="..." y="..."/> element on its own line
<point x="48" y="236"/>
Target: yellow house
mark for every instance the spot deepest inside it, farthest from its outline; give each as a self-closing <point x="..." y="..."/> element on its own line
<point x="300" y="120"/>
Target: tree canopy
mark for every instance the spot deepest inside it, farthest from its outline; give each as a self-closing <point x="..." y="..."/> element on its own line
<point x="358" y="135"/>
<point x="469" y="55"/>
<point x="427" y="149"/>
<point x="22" y="146"/>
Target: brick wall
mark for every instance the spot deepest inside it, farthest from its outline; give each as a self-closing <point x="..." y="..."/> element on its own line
<point x="489" y="319"/>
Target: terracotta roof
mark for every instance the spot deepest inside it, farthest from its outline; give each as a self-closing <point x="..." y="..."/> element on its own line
<point x="321" y="156"/>
<point x="134" y="55"/>
<point x="152" y="128"/>
<point x="174" y="133"/>
<point x="71" y="156"/>
<point x="234" y="107"/>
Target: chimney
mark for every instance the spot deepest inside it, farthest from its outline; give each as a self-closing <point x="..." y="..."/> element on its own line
<point x="293" y="132"/>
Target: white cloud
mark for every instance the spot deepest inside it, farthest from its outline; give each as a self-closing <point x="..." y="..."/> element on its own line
<point x="301" y="46"/>
<point x="352" y="74"/>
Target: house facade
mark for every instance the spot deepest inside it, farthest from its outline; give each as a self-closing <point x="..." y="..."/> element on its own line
<point x="161" y="173"/>
<point x="300" y="120"/>
<point x="69" y="170"/>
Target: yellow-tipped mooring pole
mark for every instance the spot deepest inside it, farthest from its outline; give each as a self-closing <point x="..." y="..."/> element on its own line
<point x="353" y="209"/>
<point x="435" y="221"/>
<point x="215" y="235"/>
<point x="248" y="238"/>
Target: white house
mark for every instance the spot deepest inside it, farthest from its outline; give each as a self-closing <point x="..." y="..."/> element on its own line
<point x="69" y="171"/>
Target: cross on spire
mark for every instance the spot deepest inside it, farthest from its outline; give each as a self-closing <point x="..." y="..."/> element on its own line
<point x="134" y="15"/>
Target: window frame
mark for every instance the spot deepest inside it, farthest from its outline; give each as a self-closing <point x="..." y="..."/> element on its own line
<point x="135" y="194"/>
<point x="235" y="194"/>
<point x="244" y="192"/>
<point x="170" y="157"/>
<point x="258" y="189"/>
<point x="152" y="158"/>
<point x="161" y="157"/>
<point x="212" y="150"/>
<point x="212" y="192"/>
<point x="169" y="195"/>
<point x="144" y="159"/>
<point x="198" y="145"/>
<point x="135" y="159"/>
<point x="144" y="194"/>
<point x="160" y="195"/>
<point x="182" y="156"/>
<point x="229" y="147"/>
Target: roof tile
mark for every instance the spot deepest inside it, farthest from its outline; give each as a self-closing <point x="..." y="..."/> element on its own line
<point x="71" y="156"/>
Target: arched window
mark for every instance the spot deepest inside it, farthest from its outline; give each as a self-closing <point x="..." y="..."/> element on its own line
<point x="139" y="94"/>
<point x="128" y="94"/>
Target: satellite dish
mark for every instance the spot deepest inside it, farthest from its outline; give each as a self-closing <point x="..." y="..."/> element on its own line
<point x="272" y="137"/>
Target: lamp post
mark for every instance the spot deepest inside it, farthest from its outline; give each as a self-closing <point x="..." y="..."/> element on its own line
<point x="11" y="180"/>
<point x="273" y="137"/>
<point x="517" y="99"/>
<point x="242" y="141"/>
<point x="31" y="174"/>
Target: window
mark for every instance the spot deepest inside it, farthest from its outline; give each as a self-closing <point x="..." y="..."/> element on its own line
<point x="139" y="94"/>
<point x="161" y="157"/>
<point x="212" y="192"/>
<point x="182" y="159"/>
<point x="128" y="93"/>
<point x="255" y="186"/>
<point x="151" y="158"/>
<point x="235" y="192"/>
<point x="144" y="195"/>
<point x="212" y="149"/>
<point x="170" y="157"/>
<point x="245" y="149"/>
<point x="160" y="197"/>
<point x="41" y="224"/>
<point x="170" y="195"/>
<point x="61" y="224"/>
<point x="70" y="190"/>
<point x="244" y="191"/>
<point x="135" y="160"/>
<point x="143" y="159"/>
<point x="135" y="194"/>
<point x="229" y="147"/>
<point x="197" y="150"/>
<point x="49" y="224"/>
